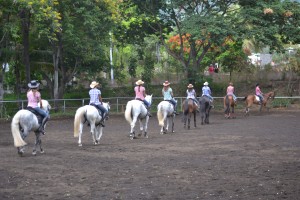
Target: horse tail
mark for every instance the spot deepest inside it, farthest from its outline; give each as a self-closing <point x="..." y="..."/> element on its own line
<point x="80" y="112"/>
<point x="128" y="111"/>
<point x="160" y="116"/>
<point x="15" y="129"/>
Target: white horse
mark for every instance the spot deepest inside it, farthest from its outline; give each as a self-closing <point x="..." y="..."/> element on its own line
<point x="136" y="110"/>
<point x="23" y="123"/>
<point x="91" y="114"/>
<point x="165" y="111"/>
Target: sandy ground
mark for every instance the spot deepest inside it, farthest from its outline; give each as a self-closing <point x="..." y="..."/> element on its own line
<point x="257" y="157"/>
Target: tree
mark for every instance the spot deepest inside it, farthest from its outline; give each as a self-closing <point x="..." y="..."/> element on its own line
<point x="207" y="21"/>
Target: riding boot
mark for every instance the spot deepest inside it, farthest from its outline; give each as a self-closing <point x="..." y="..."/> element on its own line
<point x="42" y="126"/>
<point x="104" y="116"/>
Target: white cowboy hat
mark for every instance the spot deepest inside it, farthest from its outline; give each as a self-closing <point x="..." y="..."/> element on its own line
<point x="206" y="83"/>
<point x="166" y="83"/>
<point x="139" y="82"/>
<point x="190" y="86"/>
<point x="94" y="84"/>
<point x="33" y="84"/>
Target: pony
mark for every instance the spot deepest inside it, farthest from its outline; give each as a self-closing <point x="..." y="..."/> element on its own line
<point x="205" y="107"/>
<point x="229" y="103"/>
<point x="253" y="99"/>
<point x="25" y="121"/>
<point x="165" y="112"/>
<point x="90" y="114"/>
<point x="136" y="110"/>
<point x="189" y="108"/>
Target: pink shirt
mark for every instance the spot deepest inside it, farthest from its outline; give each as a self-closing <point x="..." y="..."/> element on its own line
<point x="139" y="92"/>
<point x="230" y="90"/>
<point x="33" y="98"/>
<point x="257" y="91"/>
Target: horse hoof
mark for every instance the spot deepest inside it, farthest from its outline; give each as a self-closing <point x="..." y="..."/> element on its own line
<point x="34" y="153"/>
<point x="146" y="135"/>
<point x="42" y="151"/>
<point x="80" y="145"/>
<point x="161" y="133"/>
<point x="140" y="135"/>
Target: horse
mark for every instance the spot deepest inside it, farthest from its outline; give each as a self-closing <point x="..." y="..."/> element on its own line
<point x="189" y="108"/>
<point x="90" y="114"/>
<point x="165" y="112"/>
<point x="205" y="107"/>
<point x="137" y="111"/>
<point x="253" y="99"/>
<point x="229" y="103"/>
<point x="25" y="121"/>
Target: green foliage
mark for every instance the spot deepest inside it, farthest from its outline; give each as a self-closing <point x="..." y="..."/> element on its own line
<point x="281" y="103"/>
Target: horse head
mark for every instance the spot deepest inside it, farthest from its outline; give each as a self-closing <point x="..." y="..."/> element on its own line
<point x="148" y="98"/>
<point x="106" y="105"/>
<point x="270" y="95"/>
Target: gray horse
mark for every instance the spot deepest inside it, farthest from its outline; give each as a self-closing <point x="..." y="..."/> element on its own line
<point x="205" y="107"/>
<point x="22" y="124"/>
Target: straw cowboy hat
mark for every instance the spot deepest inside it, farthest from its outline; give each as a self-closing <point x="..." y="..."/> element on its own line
<point x="33" y="84"/>
<point x="139" y="82"/>
<point x="206" y="83"/>
<point x="94" y="84"/>
<point x="190" y="86"/>
<point x="166" y="83"/>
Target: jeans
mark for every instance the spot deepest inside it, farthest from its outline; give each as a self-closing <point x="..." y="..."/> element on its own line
<point x="41" y="112"/>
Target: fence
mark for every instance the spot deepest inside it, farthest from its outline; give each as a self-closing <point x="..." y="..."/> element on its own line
<point x="118" y="104"/>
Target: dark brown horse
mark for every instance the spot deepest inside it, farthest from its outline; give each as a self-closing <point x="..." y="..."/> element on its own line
<point x="252" y="99"/>
<point x="205" y="107"/>
<point x="189" y="108"/>
<point x="229" y="103"/>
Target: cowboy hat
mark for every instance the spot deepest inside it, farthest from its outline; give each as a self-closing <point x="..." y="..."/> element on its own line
<point x="190" y="86"/>
<point x="206" y="83"/>
<point x="94" y="84"/>
<point x="33" y="84"/>
<point x="139" y="82"/>
<point x="166" y="83"/>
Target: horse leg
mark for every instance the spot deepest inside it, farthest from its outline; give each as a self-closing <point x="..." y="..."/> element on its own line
<point x="141" y="128"/>
<point x="93" y="132"/>
<point x="146" y="127"/>
<point x="167" y="127"/>
<point x="99" y="130"/>
<point x="38" y="141"/>
<point x="195" y="116"/>
<point x="132" y="125"/>
<point x="80" y="134"/>
<point x="173" y="123"/>
<point x="24" y="132"/>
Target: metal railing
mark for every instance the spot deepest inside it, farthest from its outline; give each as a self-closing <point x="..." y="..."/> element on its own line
<point x="117" y="104"/>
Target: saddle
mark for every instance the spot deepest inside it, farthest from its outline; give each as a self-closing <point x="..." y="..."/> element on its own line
<point x="39" y="117"/>
<point x="257" y="98"/>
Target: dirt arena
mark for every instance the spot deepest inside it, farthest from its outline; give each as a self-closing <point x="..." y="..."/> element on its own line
<point x="257" y="157"/>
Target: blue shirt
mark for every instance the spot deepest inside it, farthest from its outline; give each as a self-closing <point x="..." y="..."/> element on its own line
<point x="167" y="94"/>
<point x="206" y="91"/>
<point x="94" y="96"/>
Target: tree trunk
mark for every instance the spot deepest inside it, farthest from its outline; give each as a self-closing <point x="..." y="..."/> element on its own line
<point x="25" y="24"/>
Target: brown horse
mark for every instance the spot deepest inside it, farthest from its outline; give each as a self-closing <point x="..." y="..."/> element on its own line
<point x="252" y="99"/>
<point x="189" y="108"/>
<point x="229" y="103"/>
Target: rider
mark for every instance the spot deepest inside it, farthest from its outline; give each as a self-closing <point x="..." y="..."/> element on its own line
<point x="230" y="91"/>
<point x="140" y="94"/>
<point x="259" y="93"/>
<point x="167" y="93"/>
<point x="34" y="97"/>
<point x="96" y="100"/>
<point x="206" y="91"/>
<point x="191" y="94"/>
